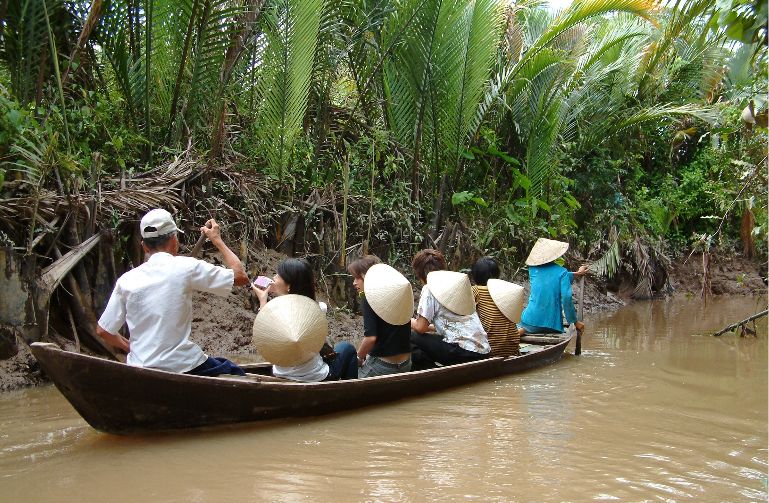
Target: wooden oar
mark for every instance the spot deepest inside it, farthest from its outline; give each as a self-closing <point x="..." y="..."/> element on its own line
<point x="578" y="347"/>
<point x="198" y="245"/>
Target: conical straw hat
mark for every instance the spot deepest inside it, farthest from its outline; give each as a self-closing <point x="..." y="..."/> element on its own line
<point x="546" y="250"/>
<point x="389" y="294"/>
<point x="289" y="330"/>
<point x="452" y="290"/>
<point x="508" y="297"/>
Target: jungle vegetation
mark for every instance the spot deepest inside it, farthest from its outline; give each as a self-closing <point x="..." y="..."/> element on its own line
<point x="634" y="129"/>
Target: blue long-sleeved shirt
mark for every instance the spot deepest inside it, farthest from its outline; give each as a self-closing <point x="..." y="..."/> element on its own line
<point x="550" y="292"/>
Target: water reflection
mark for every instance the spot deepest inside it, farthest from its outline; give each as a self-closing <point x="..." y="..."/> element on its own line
<point x="652" y="410"/>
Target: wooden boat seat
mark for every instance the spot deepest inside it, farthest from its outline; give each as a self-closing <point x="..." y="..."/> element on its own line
<point x="253" y="378"/>
<point x="543" y="338"/>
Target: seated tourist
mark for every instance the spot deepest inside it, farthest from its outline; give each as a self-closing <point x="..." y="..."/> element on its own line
<point x="446" y="302"/>
<point x="499" y="305"/>
<point x="550" y="290"/>
<point x="294" y="276"/>
<point x="155" y="300"/>
<point x="387" y="301"/>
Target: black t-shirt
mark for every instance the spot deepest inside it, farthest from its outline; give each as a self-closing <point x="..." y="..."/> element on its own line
<point x="391" y="340"/>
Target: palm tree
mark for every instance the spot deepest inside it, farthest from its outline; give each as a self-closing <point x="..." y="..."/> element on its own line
<point x="291" y="35"/>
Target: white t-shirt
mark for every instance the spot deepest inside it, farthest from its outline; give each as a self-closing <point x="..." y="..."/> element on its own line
<point x="464" y="331"/>
<point x="155" y="300"/>
<point x="313" y="370"/>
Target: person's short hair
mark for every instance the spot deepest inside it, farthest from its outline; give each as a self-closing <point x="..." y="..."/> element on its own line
<point x="359" y="267"/>
<point x="483" y="270"/>
<point x="159" y="241"/>
<point x="427" y="261"/>
<point x="297" y="273"/>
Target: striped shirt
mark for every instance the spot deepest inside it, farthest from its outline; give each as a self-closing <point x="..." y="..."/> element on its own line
<point x="503" y="333"/>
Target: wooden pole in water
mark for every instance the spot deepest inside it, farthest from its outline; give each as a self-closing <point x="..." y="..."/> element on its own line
<point x="578" y="347"/>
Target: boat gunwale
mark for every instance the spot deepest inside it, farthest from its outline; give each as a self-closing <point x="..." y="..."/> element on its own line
<point x="225" y="380"/>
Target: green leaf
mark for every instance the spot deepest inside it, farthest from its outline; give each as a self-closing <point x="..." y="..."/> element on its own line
<point x="459" y="198"/>
<point x="504" y="156"/>
<point x="522" y="180"/>
<point x="571" y="201"/>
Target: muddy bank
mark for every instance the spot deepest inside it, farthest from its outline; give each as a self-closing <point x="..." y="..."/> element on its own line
<point x="729" y="275"/>
<point x="222" y="325"/>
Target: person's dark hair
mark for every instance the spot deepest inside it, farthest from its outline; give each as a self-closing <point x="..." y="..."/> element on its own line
<point x="158" y="241"/>
<point x="483" y="270"/>
<point x="359" y="267"/>
<point x="427" y="261"/>
<point x="297" y="273"/>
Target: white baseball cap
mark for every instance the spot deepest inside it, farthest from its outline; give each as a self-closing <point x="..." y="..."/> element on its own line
<point x="158" y="222"/>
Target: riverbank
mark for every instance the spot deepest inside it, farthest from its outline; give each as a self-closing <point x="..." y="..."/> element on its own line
<point x="222" y="325"/>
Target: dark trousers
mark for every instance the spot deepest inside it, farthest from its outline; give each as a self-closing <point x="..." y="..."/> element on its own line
<point x="216" y="366"/>
<point x="345" y="365"/>
<point x="429" y="349"/>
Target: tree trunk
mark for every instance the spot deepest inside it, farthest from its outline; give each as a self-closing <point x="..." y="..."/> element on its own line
<point x="180" y="73"/>
<point x="439" y="208"/>
<point x="234" y="51"/>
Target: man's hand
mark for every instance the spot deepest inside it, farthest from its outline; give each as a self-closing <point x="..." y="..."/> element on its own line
<point x="211" y="230"/>
<point x="579" y="326"/>
<point x="117" y="341"/>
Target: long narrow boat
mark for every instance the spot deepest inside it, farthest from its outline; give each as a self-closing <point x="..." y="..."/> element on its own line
<point x="116" y="398"/>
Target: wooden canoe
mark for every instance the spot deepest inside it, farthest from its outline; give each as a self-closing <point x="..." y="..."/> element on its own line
<point x="117" y="398"/>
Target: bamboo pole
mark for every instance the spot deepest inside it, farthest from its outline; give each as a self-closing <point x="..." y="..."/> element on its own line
<point x="578" y="346"/>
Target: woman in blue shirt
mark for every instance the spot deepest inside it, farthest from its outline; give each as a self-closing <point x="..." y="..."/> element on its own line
<point x="550" y="290"/>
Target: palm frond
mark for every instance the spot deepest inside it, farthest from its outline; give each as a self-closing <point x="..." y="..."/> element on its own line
<point x="542" y="32"/>
<point x="25" y="43"/>
<point x="682" y="21"/>
<point x="114" y="35"/>
<point x="580" y="11"/>
<point x="609" y="263"/>
<point x="217" y="22"/>
<point x="406" y="72"/>
<point x="292" y="32"/>
<point x="478" y="29"/>
<point x="660" y="112"/>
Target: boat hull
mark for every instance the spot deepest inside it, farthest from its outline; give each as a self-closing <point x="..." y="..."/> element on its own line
<point x="117" y="398"/>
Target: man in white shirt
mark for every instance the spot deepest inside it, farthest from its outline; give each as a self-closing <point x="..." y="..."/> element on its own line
<point x="155" y="300"/>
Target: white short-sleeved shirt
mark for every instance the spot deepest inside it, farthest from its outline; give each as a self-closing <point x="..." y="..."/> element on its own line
<point x="155" y="300"/>
<point x="464" y="331"/>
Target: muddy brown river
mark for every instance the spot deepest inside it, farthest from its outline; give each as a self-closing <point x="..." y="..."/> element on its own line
<point x="653" y="410"/>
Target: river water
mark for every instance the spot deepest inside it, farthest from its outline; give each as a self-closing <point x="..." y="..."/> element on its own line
<point x="653" y="410"/>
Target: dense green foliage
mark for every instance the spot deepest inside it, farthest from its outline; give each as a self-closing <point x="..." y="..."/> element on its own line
<point x="627" y="127"/>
